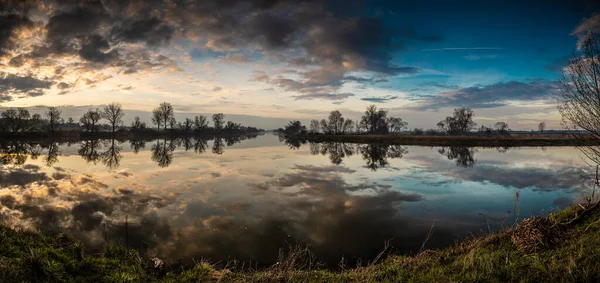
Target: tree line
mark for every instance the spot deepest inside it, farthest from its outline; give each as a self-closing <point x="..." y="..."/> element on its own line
<point x="378" y="121"/>
<point x="19" y="120"/>
<point x="374" y="121"/>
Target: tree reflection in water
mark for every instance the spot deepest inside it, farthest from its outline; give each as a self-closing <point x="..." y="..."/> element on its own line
<point x="88" y="150"/>
<point x="162" y="152"/>
<point x="14" y="152"/>
<point x="136" y="145"/>
<point x="218" y="146"/>
<point x="375" y="155"/>
<point x="462" y="155"/>
<point x="53" y="151"/>
<point x="111" y="158"/>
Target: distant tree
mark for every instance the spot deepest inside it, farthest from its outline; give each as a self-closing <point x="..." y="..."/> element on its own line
<point x="137" y="125"/>
<point x="200" y="123"/>
<point x="375" y="120"/>
<point x="16" y="119"/>
<point x="90" y="120"/>
<point x="70" y="120"/>
<point x="336" y="122"/>
<point x="114" y="114"/>
<point x="358" y="127"/>
<point x="294" y="128"/>
<point x="163" y="114"/>
<point x="187" y="125"/>
<point x="461" y="123"/>
<point x="157" y="118"/>
<point x="218" y="121"/>
<point x="325" y="127"/>
<point x="314" y="127"/>
<point x="172" y="123"/>
<point x="396" y="125"/>
<point x="53" y="115"/>
<point x="485" y="130"/>
<point x="501" y="127"/>
<point x="36" y="122"/>
<point x="348" y="126"/>
<point x="417" y="131"/>
<point x="542" y="126"/>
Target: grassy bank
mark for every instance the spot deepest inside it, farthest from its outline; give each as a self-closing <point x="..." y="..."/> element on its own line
<point x="562" y="247"/>
<point x="465" y="140"/>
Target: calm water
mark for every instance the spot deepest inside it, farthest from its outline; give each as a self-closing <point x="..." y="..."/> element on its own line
<point x="246" y="199"/>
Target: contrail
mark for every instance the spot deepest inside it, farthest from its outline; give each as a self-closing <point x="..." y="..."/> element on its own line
<point x="463" y="48"/>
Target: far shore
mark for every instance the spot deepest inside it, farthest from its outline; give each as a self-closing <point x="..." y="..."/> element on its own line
<point x="520" y="139"/>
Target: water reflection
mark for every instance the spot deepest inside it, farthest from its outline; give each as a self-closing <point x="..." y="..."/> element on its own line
<point x="375" y="155"/>
<point x="136" y="145"/>
<point x="258" y="196"/>
<point x="462" y="155"/>
<point x="162" y="152"/>
<point x="52" y="152"/>
<point x="88" y="150"/>
<point x="111" y="158"/>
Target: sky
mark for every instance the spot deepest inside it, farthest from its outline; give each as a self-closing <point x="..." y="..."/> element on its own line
<point x="289" y="59"/>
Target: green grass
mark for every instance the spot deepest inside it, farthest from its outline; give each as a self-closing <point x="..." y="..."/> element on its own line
<point x="32" y="257"/>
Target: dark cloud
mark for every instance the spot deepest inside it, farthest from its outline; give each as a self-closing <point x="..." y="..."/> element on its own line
<point x="324" y="96"/>
<point x="21" y="85"/>
<point x="381" y="99"/>
<point x="9" y="24"/>
<point x="494" y="95"/>
<point x="81" y="20"/>
<point x="107" y="34"/>
<point x="271" y="30"/>
<point x="151" y="31"/>
<point x="96" y="49"/>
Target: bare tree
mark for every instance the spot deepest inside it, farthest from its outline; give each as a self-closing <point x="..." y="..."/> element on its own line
<point x="580" y="105"/>
<point x="137" y="124"/>
<point x="53" y="115"/>
<point x="114" y="114"/>
<point x="542" y="127"/>
<point x="163" y="114"/>
<point x="218" y="121"/>
<point x="396" y="125"/>
<point x="348" y="126"/>
<point x="200" y="123"/>
<point x="325" y="127"/>
<point x="314" y="127"/>
<point x="16" y="119"/>
<point x="336" y="122"/>
<point x="460" y="123"/>
<point x="187" y="125"/>
<point x="172" y="123"/>
<point x="501" y="127"/>
<point x="90" y="119"/>
<point x="374" y="120"/>
<point x="157" y="118"/>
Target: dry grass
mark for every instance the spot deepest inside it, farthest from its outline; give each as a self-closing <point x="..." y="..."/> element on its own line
<point x="537" y="234"/>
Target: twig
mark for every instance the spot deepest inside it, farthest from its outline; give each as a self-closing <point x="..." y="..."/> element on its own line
<point x="428" y="236"/>
<point x="589" y="226"/>
<point x="386" y="245"/>
<point x="126" y="233"/>
<point x="105" y="233"/>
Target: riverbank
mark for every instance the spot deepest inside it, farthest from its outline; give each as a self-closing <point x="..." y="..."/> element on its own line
<point x="463" y="140"/>
<point x="561" y="247"/>
<point x="74" y="136"/>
